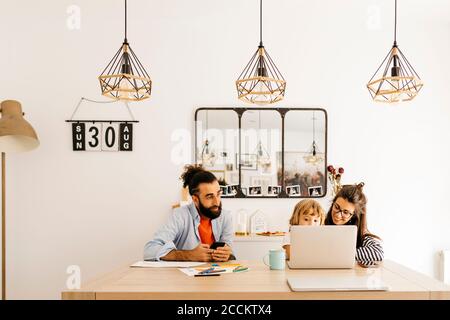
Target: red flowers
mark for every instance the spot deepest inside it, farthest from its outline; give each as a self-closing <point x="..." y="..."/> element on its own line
<point x="332" y="170"/>
<point x="335" y="178"/>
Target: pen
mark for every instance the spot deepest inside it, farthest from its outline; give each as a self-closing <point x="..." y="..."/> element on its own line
<point x="207" y="275"/>
<point x="206" y="271"/>
<point x="216" y="271"/>
<point x="237" y="269"/>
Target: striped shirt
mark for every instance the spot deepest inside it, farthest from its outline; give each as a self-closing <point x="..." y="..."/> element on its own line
<point x="371" y="250"/>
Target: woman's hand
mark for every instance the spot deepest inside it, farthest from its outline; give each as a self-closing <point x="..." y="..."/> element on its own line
<point x="287" y="248"/>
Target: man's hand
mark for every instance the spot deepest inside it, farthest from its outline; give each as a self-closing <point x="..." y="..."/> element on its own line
<point x="221" y="253"/>
<point x="201" y="253"/>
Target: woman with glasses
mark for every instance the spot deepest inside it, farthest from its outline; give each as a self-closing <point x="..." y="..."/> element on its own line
<point x="349" y="208"/>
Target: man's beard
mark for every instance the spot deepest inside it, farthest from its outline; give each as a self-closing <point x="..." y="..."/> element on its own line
<point x="207" y="212"/>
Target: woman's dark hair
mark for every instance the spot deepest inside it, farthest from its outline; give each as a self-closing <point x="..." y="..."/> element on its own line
<point x="353" y="194"/>
<point x="193" y="175"/>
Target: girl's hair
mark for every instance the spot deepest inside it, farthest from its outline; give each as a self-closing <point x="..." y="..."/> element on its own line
<point x="353" y="194"/>
<point x="193" y="175"/>
<point x="309" y="207"/>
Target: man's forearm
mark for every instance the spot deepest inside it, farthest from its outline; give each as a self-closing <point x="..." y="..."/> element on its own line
<point x="177" y="255"/>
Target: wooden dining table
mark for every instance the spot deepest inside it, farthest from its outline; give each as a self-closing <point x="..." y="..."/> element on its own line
<point x="257" y="283"/>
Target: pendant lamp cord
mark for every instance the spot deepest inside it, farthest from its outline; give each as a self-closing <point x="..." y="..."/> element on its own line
<point x="259" y="127"/>
<point x="395" y="24"/>
<point x="125" y="20"/>
<point x="260" y="23"/>
<point x="314" y="127"/>
<point x="206" y="131"/>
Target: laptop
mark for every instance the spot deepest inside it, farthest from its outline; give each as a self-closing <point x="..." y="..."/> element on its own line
<point x="322" y="247"/>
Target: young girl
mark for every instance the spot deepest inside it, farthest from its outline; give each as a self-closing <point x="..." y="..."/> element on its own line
<point x="349" y="208"/>
<point x="306" y="213"/>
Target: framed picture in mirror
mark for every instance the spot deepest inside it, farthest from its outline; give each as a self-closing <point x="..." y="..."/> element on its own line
<point x="232" y="189"/>
<point x="254" y="191"/>
<point x="293" y="190"/>
<point x="224" y="190"/>
<point x="315" y="191"/>
<point x="273" y="191"/>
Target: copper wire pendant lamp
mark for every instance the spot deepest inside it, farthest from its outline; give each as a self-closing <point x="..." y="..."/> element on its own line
<point x="395" y="79"/>
<point x="262" y="156"/>
<point x="312" y="157"/>
<point x="208" y="154"/>
<point x="125" y="78"/>
<point x="261" y="82"/>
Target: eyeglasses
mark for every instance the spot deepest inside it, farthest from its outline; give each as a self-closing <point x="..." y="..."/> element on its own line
<point x="344" y="213"/>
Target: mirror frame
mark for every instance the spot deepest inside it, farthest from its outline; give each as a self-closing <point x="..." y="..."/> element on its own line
<point x="282" y="111"/>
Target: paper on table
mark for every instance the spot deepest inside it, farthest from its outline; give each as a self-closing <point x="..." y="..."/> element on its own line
<point x="166" y="264"/>
<point x="188" y="271"/>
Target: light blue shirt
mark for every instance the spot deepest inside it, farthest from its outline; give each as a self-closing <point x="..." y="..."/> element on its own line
<point x="181" y="232"/>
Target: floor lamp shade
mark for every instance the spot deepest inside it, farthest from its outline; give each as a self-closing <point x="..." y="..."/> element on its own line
<point x="16" y="134"/>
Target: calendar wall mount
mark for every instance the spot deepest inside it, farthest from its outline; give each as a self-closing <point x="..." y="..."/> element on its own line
<point x="102" y="135"/>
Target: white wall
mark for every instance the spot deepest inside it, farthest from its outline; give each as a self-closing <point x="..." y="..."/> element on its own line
<point x="97" y="210"/>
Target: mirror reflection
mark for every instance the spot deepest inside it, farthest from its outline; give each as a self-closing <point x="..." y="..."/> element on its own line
<point x="256" y="161"/>
<point x="217" y="133"/>
<point x="304" y="157"/>
<point x="260" y="144"/>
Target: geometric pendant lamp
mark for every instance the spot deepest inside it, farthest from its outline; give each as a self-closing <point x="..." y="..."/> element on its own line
<point x="208" y="154"/>
<point x="125" y="78"/>
<point x="313" y="157"/>
<point x="261" y="82"/>
<point x="262" y="155"/>
<point x="395" y="79"/>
